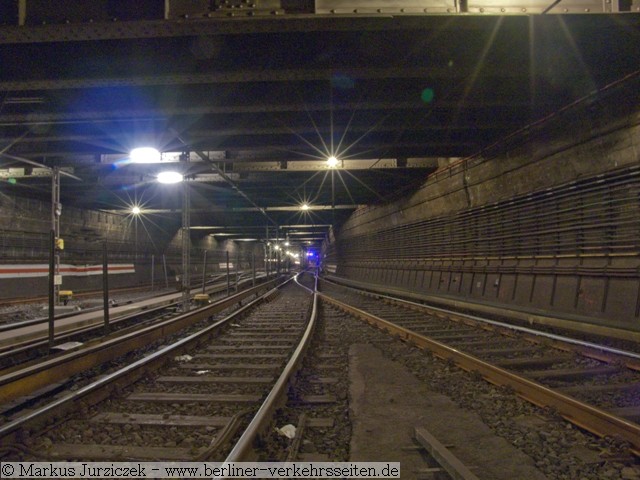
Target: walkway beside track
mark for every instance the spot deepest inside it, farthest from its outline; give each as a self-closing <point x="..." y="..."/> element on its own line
<point x="94" y="317"/>
<point x="388" y="402"/>
<point x="14" y="337"/>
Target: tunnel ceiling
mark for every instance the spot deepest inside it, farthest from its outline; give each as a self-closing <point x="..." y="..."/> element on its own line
<point x="257" y="102"/>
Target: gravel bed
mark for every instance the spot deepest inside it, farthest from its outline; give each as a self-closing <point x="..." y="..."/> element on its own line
<point x="560" y="450"/>
<point x="603" y="399"/>
<point x="80" y="430"/>
<point x="210" y="388"/>
<point x="133" y="434"/>
<point x="124" y="406"/>
<point x="327" y="357"/>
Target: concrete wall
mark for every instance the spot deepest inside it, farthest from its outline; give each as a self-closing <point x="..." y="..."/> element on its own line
<point x="148" y="243"/>
<point x="549" y="220"/>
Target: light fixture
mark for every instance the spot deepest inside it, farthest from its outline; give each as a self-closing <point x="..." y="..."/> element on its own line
<point x="304" y="207"/>
<point x="332" y="162"/>
<point x="144" y="155"/>
<point x="136" y="210"/>
<point x="169" y="177"/>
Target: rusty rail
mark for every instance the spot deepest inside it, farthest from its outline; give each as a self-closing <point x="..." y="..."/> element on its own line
<point x="243" y="447"/>
<point x="23" y="381"/>
<point x="585" y="416"/>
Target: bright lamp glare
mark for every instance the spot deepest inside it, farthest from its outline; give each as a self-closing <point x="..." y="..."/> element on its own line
<point x="304" y="206"/>
<point x="332" y="162"/>
<point x="136" y="210"/>
<point x="144" y="155"/>
<point x="169" y="177"/>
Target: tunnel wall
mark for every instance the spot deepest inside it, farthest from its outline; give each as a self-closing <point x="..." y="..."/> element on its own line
<point x="549" y="222"/>
<point x="146" y="243"/>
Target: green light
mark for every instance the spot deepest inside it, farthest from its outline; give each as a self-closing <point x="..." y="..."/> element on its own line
<point x="427" y="95"/>
<point x="12" y="181"/>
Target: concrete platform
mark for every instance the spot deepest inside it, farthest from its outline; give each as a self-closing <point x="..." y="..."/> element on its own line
<point x="96" y="317"/>
<point x="387" y="402"/>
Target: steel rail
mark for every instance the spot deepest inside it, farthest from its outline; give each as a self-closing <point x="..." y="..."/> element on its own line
<point x="11" y="350"/>
<point x="214" y="287"/>
<point x="244" y="446"/>
<point x="24" y="381"/>
<point x="118" y="378"/>
<point x="530" y="317"/>
<point x="95" y="324"/>
<point x="632" y="357"/>
<point x="585" y="416"/>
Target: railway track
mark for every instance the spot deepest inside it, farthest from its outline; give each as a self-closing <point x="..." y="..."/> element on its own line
<point x="251" y="375"/>
<point x="144" y="290"/>
<point x="184" y="402"/>
<point x="27" y="382"/>
<point x="21" y="342"/>
<point x="590" y="386"/>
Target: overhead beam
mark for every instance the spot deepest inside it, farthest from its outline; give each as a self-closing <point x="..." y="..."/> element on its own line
<point x="214" y="209"/>
<point x="208" y="109"/>
<point x="384" y="20"/>
<point x="124" y="30"/>
<point x="243" y="76"/>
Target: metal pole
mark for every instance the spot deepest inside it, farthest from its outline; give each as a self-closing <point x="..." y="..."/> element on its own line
<point x="56" y="211"/>
<point x="166" y="274"/>
<point x="186" y="247"/>
<point x="266" y="251"/>
<point x="105" y="287"/>
<point x="237" y="268"/>
<point x="253" y="268"/>
<point x="52" y="247"/>
<point x="333" y="198"/>
<point x="153" y="267"/>
<point x="278" y="250"/>
<point x="204" y="270"/>
<point x="135" y="232"/>
<point x="228" y="280"/>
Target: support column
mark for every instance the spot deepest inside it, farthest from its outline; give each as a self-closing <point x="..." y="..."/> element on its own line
<point x="186" y="241"/>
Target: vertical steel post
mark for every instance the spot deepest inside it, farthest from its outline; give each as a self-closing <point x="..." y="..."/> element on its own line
<point x="266" y="251"/>
<point x="186" y="242"/>
<point x="333" y="197"/>
<point x="278" y="250"/>
<point x="56" y="211"/>
<point x="253" y="268"/>
<point x="228" y="279"/>
<point x="204" y="270"/>
<point x="166" y="273"/>
<point x="105" y="287"/>
<point x="22" y="12"/>
<point x="135" y="239"/>
<point x="237" y="268"/>
<point x="52" y="306"/>
<point x="267" y="257"/>
<point x="153" y="267"/>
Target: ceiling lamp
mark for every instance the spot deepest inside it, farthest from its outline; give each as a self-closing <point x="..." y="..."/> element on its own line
<point x="332" y="162"/>
<point x="144" y="155"/>
<point x="304" y="207"/>
<point x="169" y="177"/>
